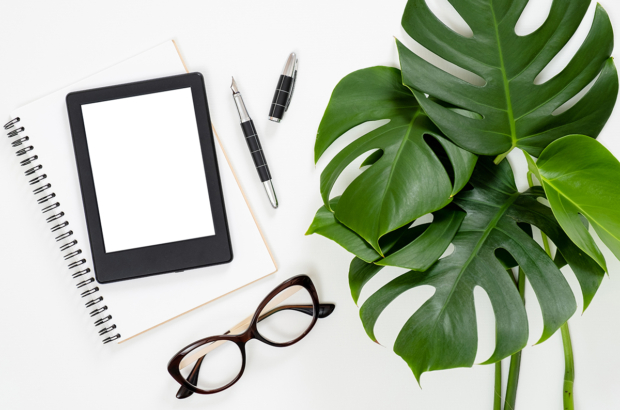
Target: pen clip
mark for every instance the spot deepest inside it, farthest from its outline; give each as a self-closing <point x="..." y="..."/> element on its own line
<point x="290" y="95"/>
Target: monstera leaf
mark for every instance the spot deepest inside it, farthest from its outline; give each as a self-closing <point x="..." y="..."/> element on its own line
<point x="326" y="224"/>
<point x="515" y="111"/>
<point x="581" y="177"/>
<point x="442" y="333"/>
<point x="418" y="171"/>
<point x="415" y="248"/>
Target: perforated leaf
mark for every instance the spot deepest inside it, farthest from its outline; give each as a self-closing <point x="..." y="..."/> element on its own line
<point x="442" y="334"/>
<point x="515" y="111"/>
<point x="418" y="172"/>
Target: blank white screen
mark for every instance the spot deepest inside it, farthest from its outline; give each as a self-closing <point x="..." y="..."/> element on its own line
<point x="148" y="170"/>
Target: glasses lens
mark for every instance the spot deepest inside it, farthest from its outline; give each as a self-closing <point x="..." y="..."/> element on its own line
<point x="213" y="370"/>
<point x="283" y="321"/>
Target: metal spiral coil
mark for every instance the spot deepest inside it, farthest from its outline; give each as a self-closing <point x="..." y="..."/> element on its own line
<point x="106" y="330"/>
<point x="111" y="338"/>
<point x="33" y="170"/>
<point x="93" y="302"/>
<point x="29" y="161"/>
<point x="50" y="207"/>
<point x="103" y="320"/>
<point x="37" y="179"/>
<point x="85" y="284"/>
<point x="55" y="217"/>
<point x="19" y="142"/>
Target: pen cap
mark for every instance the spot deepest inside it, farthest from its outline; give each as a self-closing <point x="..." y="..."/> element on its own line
<point x="284" y="89"/>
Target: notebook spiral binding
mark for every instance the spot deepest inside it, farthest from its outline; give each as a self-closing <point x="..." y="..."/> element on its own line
<point x="76" y="262"/>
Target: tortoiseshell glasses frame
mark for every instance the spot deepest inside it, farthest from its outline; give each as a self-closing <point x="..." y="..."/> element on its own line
<point x="193" y="352"/>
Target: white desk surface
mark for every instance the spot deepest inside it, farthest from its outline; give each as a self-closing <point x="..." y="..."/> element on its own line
<point x="50" y="357"/>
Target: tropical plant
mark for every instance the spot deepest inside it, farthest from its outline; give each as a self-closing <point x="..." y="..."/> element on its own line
<point x="441" y="152"/>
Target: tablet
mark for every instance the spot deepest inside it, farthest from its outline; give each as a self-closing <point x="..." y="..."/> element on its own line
<point x="149" y="177"/>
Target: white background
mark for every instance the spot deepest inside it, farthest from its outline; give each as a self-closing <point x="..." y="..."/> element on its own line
<point x="161" y="128"/>
<point x="50" y="358"/>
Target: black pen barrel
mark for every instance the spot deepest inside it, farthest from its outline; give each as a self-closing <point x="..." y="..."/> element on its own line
<point x="281" y="97"/>
<point x="256" y="150"/>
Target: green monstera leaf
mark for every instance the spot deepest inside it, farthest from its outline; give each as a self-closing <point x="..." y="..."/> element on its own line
<point x="515" y="111"/>
<point x="415" y="248"/>
<point x="418" y="251"/>
<point x="442" y="334"/>
<point x="581" y="177"/>
<point x="418" y="170"/>
<point x="326" y="224"/>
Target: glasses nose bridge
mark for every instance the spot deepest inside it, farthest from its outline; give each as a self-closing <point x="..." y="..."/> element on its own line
<point x="245" y="337"/>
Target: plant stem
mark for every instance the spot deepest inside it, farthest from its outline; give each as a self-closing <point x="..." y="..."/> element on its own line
<point x="515" y="360"/>
<point x="569" y="369"/>
<point x="530" y="181"/>
<point x="497" y="402"/>
<point x="569" y="364"/>
<point x="501" y="157"/>
<point x="513" y="381"/>
<point x="546" y="244"/>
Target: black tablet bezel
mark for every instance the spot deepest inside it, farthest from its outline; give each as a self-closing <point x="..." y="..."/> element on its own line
<point x="161" y="258"/>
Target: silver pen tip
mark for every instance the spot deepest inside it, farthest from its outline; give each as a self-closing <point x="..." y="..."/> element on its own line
<point x="233" y="86"/>
<point x="271" y="193"/>
<point x="290" y="66"/>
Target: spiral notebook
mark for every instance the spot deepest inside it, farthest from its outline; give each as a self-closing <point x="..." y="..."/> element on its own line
<point x="40" y="136"/>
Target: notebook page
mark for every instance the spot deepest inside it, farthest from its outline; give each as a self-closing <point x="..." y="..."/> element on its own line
<point x="140" y="304"/>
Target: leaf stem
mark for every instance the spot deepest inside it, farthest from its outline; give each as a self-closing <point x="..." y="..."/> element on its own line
<point x="497" y="402"/>
<point x="569" y="364"/>
<point x="515" y="360"/>
<point x="501" y="157"/>
<point x="513" y="381"/>
<point x="546" y="244"/>
<point x="569" y="369"/>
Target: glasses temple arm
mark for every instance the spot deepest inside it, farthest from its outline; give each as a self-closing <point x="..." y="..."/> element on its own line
<point x="184" y="392"/>
<point x="325" y="309"/>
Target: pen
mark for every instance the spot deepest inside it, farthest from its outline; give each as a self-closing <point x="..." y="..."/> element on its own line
<point x="256" y="150"/>
<point x="284" y="90"/>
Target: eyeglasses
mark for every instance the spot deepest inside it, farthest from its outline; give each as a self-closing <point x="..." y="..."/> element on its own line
<point x="273" y="323"/>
